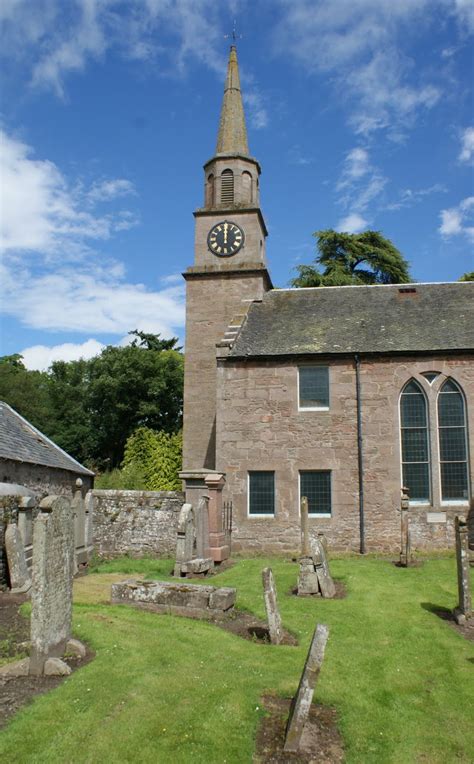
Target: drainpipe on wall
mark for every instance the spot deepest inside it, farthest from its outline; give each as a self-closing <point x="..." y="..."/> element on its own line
<point x="360" y="457"/>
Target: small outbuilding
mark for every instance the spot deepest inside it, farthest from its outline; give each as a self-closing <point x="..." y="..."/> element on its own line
<point x="31" y="459"/>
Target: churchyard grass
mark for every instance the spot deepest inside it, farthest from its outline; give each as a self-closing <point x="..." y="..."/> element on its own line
<point x="163" y="688"/>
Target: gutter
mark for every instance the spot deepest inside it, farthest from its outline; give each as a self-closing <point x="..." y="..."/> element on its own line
<point x="360" y="456"/>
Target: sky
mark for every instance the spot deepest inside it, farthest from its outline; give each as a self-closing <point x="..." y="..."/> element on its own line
<point x="360" y="113"/>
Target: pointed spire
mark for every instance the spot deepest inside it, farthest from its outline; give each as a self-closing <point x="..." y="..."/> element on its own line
<point x="232" y="136"/>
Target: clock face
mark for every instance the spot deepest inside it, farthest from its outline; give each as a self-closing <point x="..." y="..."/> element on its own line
<point x="225" y="239"/>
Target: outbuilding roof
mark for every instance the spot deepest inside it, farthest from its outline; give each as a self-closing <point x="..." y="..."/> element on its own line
<point x="21" y="442"/>
<point x="399" y="318"/>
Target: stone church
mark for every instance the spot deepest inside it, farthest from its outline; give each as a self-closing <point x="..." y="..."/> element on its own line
<point x="340" y="394"/>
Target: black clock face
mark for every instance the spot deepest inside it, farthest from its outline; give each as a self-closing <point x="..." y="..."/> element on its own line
<point x="225" y="239"/>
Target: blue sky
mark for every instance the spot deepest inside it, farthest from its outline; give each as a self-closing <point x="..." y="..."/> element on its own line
<point x="359" y="111"/>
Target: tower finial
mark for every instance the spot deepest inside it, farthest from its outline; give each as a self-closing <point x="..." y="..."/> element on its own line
<point x="232" y="136"/>
<point x="234" y="34"/>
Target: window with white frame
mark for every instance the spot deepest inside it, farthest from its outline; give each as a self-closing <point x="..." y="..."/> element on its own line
<point x="313" y="387"/>
<point x="452" y="432"/>
<point x="316" y="486"/>
<point x="415" y="442"/>
<point x="261" y="493"/>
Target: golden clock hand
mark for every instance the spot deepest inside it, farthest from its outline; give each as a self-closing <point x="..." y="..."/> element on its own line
<point x="226" y="225"/>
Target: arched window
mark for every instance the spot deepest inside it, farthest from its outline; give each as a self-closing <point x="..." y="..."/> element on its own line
<point x="227" y="187"/>
<point x="210" y="191"/>
<point x="415" y="442"/>
<point x="452" y="433"/>
<point x="247" y="187"/>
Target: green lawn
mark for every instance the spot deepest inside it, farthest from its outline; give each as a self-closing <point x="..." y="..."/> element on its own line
<point x="168" y="689"/>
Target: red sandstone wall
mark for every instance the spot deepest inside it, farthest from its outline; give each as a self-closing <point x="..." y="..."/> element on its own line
<point x="259" y="427"/>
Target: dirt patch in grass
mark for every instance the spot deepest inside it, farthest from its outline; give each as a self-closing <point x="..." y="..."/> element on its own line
<point x="341" y="592"/>
<point x="321" y="741"/>
<point x="247" y="626"/>
<point x="16" y="692"/>
<point x="466" y="630"/>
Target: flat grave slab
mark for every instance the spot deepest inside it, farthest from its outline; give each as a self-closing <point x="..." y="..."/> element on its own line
<point x="175" y="598"/>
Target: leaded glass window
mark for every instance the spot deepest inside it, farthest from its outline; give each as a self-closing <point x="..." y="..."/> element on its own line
<point x="261" y="493"/>
<point x="452" y="443"/>
<point x="415" y="443"/>
<point x="316" y="486"/>
<point x="313" y="387"/>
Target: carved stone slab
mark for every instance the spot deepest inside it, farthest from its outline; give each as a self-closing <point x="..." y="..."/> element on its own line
<point x="463" y="612"/>
<point x="20" y="580"/>
<point x="271" y="606"/>
<point x="301" y="703"/>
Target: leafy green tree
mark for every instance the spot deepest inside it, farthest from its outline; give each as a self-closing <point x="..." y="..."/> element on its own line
<point x="467" y="276"/>
<point x="26" y="391"/>
<point x="353" y="258"/>
<point x="152" y="461"/>
<point x="153" y="341"/>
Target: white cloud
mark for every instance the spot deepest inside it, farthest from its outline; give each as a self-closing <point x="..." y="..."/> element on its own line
<point x="459" y="220"/>
<point x="464" y="10"/>
<point x="353" y="223"/>
<point x="106" y="190"/>
<point x="467" y="142"/>
<point x="41" y="212"/>
<point x="41" y="356"/>
<point x="361" y="43"/>
<point x="51" y="277"/>
<point x="408" y="196"/>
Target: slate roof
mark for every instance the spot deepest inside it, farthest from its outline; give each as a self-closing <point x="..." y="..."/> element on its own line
<point x="21" y="442"/>
<point x="360" y="319"/>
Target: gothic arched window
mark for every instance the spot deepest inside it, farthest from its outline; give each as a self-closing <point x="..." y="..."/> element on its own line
<point x="415" y="442"/>
<point x="247" y="187"/>
<point x="452" y="432"/>
<point x="227" y="187"/>
<point x="210" y="191"/>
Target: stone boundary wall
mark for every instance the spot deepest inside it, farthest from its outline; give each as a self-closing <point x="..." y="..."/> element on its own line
<point x="135" y="522"/>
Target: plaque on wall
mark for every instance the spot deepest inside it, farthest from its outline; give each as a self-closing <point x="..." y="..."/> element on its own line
<point x="436" y="517"/>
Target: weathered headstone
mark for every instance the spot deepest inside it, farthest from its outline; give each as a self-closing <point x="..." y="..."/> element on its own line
<point x="51" y="597"/>
<point x="187" y="559"/>
<point x="20" y="580"/>
<point x="202" y="528"/>
<point x="271" y="607"/>
<point x="301" y="704"/>
<point x="314" y="576"/>
<point x="405" y="539"/>
<point x="463" y="611"/>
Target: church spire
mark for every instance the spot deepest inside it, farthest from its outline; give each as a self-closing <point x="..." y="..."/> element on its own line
<point x="232" y="136"/>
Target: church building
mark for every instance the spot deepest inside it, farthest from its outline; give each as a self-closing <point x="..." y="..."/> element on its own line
<point x="340" y="394"/>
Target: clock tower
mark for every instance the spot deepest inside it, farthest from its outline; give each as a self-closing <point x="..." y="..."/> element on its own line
<point x="229" y="270"/>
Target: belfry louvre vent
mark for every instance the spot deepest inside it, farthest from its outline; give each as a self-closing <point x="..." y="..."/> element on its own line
<point x="227" y="187"/>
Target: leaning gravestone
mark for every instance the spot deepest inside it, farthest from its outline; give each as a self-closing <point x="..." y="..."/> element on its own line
<point x="464" y="611"/>
<point x="314" y="576"/>
<point x="20" y="580"/>
<point x="51" y="597"/>
<point x="187" y="559"/>
<point x="301" y="704"/>
<point x="271" y="607"/>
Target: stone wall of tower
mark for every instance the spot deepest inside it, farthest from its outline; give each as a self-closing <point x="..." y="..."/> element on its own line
<point x="213" y="301"/>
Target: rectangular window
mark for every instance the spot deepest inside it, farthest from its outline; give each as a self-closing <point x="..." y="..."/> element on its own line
<point x="313" y="382"/>
<point x="316" y="486"/>
<point x="261" y="493"/>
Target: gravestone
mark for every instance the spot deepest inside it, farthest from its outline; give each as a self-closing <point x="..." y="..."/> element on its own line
<point x="463" y="611"/>
<point x="20" y="580"/>
<point x="405" y="539"/>
<point x="271" y="607"/>
<point x="314" y="577"/>
<point x="301" y="703"/>
<point x="187" y="560"/>
<point x="51" y="595"/>
<point x="202" y="528"/>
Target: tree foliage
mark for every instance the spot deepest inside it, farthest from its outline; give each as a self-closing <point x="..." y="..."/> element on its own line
<point x="155" y="457"/>
<point x="469" y="276"/>
<point x="91" y="407"/>
<point x="350" y="259"/>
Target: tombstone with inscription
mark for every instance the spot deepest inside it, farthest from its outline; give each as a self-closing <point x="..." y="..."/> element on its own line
<point x="314" y="577"/>
<point x="271" y="607"/>
<point x="301" y="703"/>
<point x="463" y="611"/>
<point x="19" y="575"/>
<point x="406" y="558"/>
<point x="189" y="542"/>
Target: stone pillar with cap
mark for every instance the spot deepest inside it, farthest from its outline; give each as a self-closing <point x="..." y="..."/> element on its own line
<point x="215" y="482"/>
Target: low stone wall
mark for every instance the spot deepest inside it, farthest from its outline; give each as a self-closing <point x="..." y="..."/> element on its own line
<point x="136" y="522"/>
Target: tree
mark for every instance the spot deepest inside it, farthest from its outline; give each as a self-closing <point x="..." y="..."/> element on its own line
<point x="467" y="276"/>
<point x="26" y="391"/>
<point x="353" y="258"/>
<point x="152" y="460"/>
<point x="153" y="341"/>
